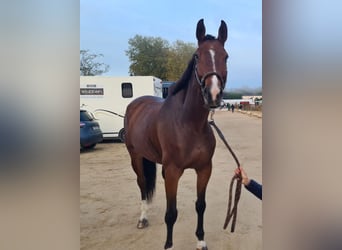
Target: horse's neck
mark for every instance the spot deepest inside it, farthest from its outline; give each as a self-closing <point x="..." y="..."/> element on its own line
<point x="193" y="110"/>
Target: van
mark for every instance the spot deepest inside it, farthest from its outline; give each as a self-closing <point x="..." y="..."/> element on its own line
<point x="107" y="98"/>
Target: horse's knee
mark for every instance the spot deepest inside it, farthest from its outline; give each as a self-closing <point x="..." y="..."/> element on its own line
<point x="171" y="216"/>
<point x="200" y="206"/>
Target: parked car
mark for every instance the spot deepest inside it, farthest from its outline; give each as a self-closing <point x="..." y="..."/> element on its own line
<point x="90" y="131"/>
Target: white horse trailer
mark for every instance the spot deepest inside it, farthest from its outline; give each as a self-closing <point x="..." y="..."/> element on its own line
<point x="107" y="98"/>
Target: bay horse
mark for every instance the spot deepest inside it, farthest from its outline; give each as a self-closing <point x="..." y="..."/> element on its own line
<point x="175" y="132"/>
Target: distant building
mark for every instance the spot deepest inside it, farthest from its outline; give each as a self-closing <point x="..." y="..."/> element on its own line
<point x="237" y="101"/>
<point x="245" y="103"/>
<point x="252" y="97"/>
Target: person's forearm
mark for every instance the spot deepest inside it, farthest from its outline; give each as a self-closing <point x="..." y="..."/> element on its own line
<point x="255" y="188"/>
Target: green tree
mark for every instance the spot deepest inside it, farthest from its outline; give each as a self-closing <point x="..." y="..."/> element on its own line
<point x="148" y="56"/>
<point x="178" y="58"/>
<point x="89" y="66"/>
<point x="154" y="56"/>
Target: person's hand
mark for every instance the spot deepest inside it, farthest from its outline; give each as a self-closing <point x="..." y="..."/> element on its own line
<point x="245" y="180"/>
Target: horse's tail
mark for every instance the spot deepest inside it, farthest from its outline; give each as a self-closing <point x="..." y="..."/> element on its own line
<point x="150" y="170"/>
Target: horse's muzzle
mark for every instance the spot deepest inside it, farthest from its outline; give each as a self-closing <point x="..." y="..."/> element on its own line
<point x="212" y="100"/>
<point x="216" y="103"/>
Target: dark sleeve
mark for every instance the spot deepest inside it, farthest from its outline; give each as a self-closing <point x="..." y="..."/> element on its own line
<point x="255" y="188"/>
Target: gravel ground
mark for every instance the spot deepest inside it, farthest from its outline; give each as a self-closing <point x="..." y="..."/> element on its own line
<point x="110" y="198"/>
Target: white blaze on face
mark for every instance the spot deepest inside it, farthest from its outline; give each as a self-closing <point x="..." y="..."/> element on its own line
<point x="214" y="89"/>
<point x="212" y="53"/>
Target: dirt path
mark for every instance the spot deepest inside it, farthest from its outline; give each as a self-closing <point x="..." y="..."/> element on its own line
<point x="110" y="199"/>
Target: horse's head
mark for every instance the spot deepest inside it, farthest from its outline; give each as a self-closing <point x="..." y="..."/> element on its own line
<point x="211" y="64"/>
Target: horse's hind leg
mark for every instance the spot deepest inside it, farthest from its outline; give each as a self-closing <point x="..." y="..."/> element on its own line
<point x="203" y="176"/>
<point x="145" y="171"/>
<point x="137" y="164"/>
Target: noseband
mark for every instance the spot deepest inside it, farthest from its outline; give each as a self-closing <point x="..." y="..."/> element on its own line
<point x="201" y="81"/>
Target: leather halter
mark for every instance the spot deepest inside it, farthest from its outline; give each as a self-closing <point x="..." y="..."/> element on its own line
<point x="201" y="81"/>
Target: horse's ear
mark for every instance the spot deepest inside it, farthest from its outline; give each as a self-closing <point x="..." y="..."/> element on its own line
<point x="223" y="32"/>
<point x="200" y="31"/>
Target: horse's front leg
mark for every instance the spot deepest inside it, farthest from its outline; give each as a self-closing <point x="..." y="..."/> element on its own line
<point x="203" y="176"/>
<point x="172" y="175"/>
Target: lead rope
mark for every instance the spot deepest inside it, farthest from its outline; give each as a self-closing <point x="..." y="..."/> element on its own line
<point x="231" y="212"/>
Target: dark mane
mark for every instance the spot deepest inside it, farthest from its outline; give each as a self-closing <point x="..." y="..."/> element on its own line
<point x="184" y="80"/>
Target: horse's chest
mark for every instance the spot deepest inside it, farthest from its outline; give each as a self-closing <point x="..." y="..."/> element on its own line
<point x="198" y="149"/>
<point x="187" y="147"/>
<point x="194" y="152"/>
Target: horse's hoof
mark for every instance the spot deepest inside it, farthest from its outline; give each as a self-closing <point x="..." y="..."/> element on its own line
<point x="142" y="224"/>
<point x="203" y="248"/>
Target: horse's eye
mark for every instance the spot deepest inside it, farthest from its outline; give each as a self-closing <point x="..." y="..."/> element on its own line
<point x="196" y="57"/>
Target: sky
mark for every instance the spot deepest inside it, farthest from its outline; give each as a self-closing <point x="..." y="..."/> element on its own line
<point x="107" y="25"/>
